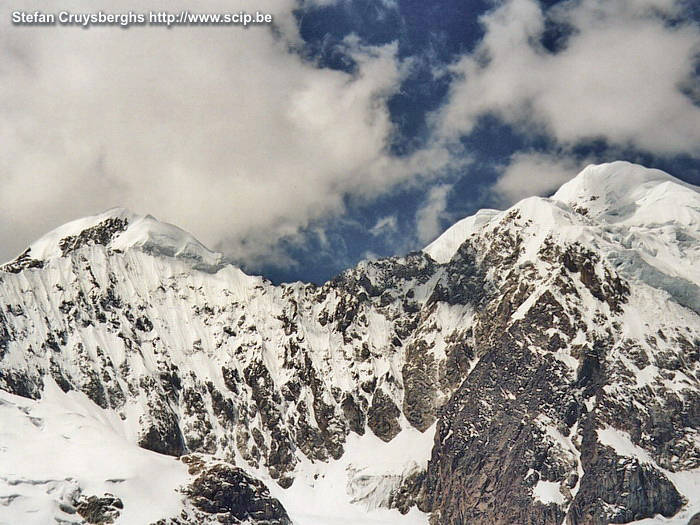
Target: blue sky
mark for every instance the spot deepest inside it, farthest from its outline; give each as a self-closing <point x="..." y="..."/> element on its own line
<point x="436" y="36"/>
<point x="347" y="129"/>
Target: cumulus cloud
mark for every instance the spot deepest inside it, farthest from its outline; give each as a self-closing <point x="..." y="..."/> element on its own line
<point x="533" y="173"/>
<point x="430" y="215"/>
<point x="224" y="131"/>
<point x="622" y="75"/>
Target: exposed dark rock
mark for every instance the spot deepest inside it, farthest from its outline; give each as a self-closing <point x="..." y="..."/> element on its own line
<point x="18" y="382"/>
<point x="610" y="288"/>
<point x="486" y="444"/>
<point x="23" y="261"/>
<point x="162" y="432"/>
<point x="102" y="233"/>
<point x="100" y="510"/>
<point x="413" y="491"/>
<point x="5" y="336"/>
<point x="230" y="496"/>
<point x="231" y="379"/>
<point x="462" y="282"/>
<point x="354" y="415"/>
<point x="420" y="386"/>
<point x="383" y="416"/>
<point x="223" y="407"/>
<point x="615" y="489"/>
<point x="456" y="366"/>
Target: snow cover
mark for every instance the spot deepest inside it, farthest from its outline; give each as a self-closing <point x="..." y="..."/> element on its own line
<point x="547" y="492"/>
<point x="615" y="191"/>
<point x="444" y="247"/>
<point x="53" y="449"/>
<point x="170" y="293"/>
<point x="651" y="225"/>
<point x="143" y="232"/>
<point x="353" y="489"/>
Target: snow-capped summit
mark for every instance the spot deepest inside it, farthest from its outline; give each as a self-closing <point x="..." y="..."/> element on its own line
<point x="624" y="192"/>
<point x="120" y="229"/>
<point x="647" y="214"/>
<point x="162" y="238"/>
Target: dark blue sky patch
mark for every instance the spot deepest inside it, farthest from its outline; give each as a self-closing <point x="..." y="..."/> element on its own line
<point x="448" y="28"/>
<point x="350" y="238"/>
<point x="421" y="93"/>
<point x="492" y="139"/>
<point x="556" y="35"/>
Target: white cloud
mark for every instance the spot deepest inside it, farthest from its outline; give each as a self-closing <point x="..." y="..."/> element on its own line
<point x="384" y="226"/>
<point x="429" y="217"/>
<point x="534" y="173"/>
<point x="619" y="76"/>
<point x="223" y="131"/>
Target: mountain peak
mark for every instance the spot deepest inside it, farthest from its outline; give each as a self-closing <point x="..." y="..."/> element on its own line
<point x="624" y="192"/>
<point x="618" y="193"/>
<point x="119" y="229"/>
<point x="573" y="340"/>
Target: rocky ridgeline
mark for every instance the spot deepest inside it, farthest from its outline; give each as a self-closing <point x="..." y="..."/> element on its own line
<point x="531" y="350"/>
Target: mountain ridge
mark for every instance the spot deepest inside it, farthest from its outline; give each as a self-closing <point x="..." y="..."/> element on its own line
<point x="525" y="364"/>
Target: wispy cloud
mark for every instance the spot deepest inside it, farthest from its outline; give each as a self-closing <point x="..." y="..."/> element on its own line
<point x="430" y="216"/>
<point x="384" y="226"/>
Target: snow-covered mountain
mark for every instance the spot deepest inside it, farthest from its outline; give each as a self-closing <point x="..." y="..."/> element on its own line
<point x="535" y="365"/>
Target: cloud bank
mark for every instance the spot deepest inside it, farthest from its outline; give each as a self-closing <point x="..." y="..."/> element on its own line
<point x="430" y="215"/>
<point x="620" y="76"/>
<point x="533" y="173"/>
<point x="225" y="131"/>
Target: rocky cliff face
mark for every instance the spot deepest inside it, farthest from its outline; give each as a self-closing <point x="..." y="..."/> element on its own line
<point x="541" y="363"/>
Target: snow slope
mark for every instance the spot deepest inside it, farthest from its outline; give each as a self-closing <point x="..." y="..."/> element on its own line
<point x="55" y="449"/>
<point x="393" y="387"/>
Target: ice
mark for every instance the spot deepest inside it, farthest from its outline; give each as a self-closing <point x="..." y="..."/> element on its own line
<point x="353" y="490"/>
<point x="622" y="191"/>
<point x="445" y="246"/>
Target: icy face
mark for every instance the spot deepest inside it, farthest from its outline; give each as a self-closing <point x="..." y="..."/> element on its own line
<point x="444" y="247"/>
<point x="621" y="191"/>
<point x="119" y="229"/>
<point x="219" y="364"/>
<point x="511" y="353"/>
<point x="652" y="219"/>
